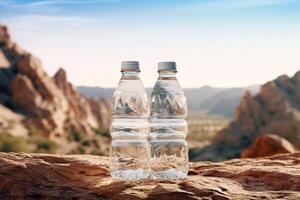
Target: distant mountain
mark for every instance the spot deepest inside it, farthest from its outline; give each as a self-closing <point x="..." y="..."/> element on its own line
<point x="97" y="92"/>
<point x="211" y="100"/>
<point x="226" y="100"/>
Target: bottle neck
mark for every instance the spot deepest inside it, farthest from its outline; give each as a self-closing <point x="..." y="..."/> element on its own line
<point x="167" y="75"/>
<point x="130" y="75"/>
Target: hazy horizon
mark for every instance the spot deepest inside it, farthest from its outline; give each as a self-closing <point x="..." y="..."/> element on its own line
<point x="197" y="87"/>
<point x="220" y="43"/>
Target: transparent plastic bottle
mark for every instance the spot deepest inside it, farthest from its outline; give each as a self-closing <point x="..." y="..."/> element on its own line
<point x="130" y="150"/>
<point x="169" y="150"/>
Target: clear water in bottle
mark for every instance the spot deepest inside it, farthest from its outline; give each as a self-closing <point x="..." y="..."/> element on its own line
<point x="169" y="150"/>
<point x="130" y="150"/>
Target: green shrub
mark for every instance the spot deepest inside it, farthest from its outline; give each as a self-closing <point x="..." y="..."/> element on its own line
<point x="81" y="150"/>
<point x="86" y="143"/>
<point x="33" y="131"/>
<point x="44" y="145"/>
<point x="97" y="152"/>
<point x="10" y="143"/>
<point x="77" y="136"/>
<point x="95" y="143"/>
<point x="103" y="132"/>
<point x="78" y="150"/>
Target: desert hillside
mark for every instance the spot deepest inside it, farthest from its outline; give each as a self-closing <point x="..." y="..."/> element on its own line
<point x="35" y="105"/>
<point x="275" y="109"/>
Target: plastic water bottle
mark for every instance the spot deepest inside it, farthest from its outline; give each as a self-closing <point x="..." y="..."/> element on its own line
<point x="130" y="150"/>
<point x="169" y="150"/>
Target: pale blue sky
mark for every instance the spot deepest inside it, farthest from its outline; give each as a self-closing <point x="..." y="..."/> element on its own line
<point x="225" y="43"/>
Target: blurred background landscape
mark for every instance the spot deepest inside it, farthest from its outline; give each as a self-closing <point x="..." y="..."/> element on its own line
<point x="237" y="60"/>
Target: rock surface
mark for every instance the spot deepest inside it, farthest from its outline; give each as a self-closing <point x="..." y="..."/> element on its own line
<point x="37" y="101"/>
<point x="42" y="176"/>
<point x="11" y="122"/>
<point x="275" y="109"/>
<point x="268" y="145"/>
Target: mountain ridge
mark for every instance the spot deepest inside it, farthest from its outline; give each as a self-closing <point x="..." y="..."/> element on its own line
<point x="206" y="99"/>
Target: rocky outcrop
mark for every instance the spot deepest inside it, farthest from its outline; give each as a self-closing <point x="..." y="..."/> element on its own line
<point x="275" y="109"/>
<point x="42" y="176"/>
<point x="268" y="145"/>
<point x="80" y="116"/>
<point x="101" y="109"/>
<point x="11" y="122"/>
<point x="50" y="105"/>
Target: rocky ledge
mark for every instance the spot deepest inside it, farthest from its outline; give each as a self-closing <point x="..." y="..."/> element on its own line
<point x="43" y="176"/>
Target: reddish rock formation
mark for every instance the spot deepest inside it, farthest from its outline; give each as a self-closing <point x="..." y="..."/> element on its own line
<point x="275" y="109"/>
<point x="81" y="110"/>
<point x="52" y="105"/>
<point x="100" y="108"/>
<point x="268" y="145"/>
<point x="11" y="122"/>
<point x="42" y="176"/>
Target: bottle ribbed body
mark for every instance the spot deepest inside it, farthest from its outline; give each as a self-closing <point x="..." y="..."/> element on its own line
<point x="169" y="150"/>
<point x="130" y="149"/>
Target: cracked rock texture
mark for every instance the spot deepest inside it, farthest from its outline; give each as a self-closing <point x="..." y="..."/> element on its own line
<point x="42" y="176"/>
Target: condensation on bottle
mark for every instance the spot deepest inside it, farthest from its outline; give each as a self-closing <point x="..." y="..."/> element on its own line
<point x="130" y="150"/>
<point x="169" y="150"/>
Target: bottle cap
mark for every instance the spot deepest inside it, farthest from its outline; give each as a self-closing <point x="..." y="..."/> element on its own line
<point x="130" y="66"/>
<point x="167" y="66"/>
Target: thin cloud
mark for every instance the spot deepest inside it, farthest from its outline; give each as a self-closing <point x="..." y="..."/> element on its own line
<point x="43" y="15"/>
<point x="45" y="22"/>
<point x="54" y="2"/>
<point x="258" y="3"/>
<point x="230" y="4"/>
<point x="43" y="7"/>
